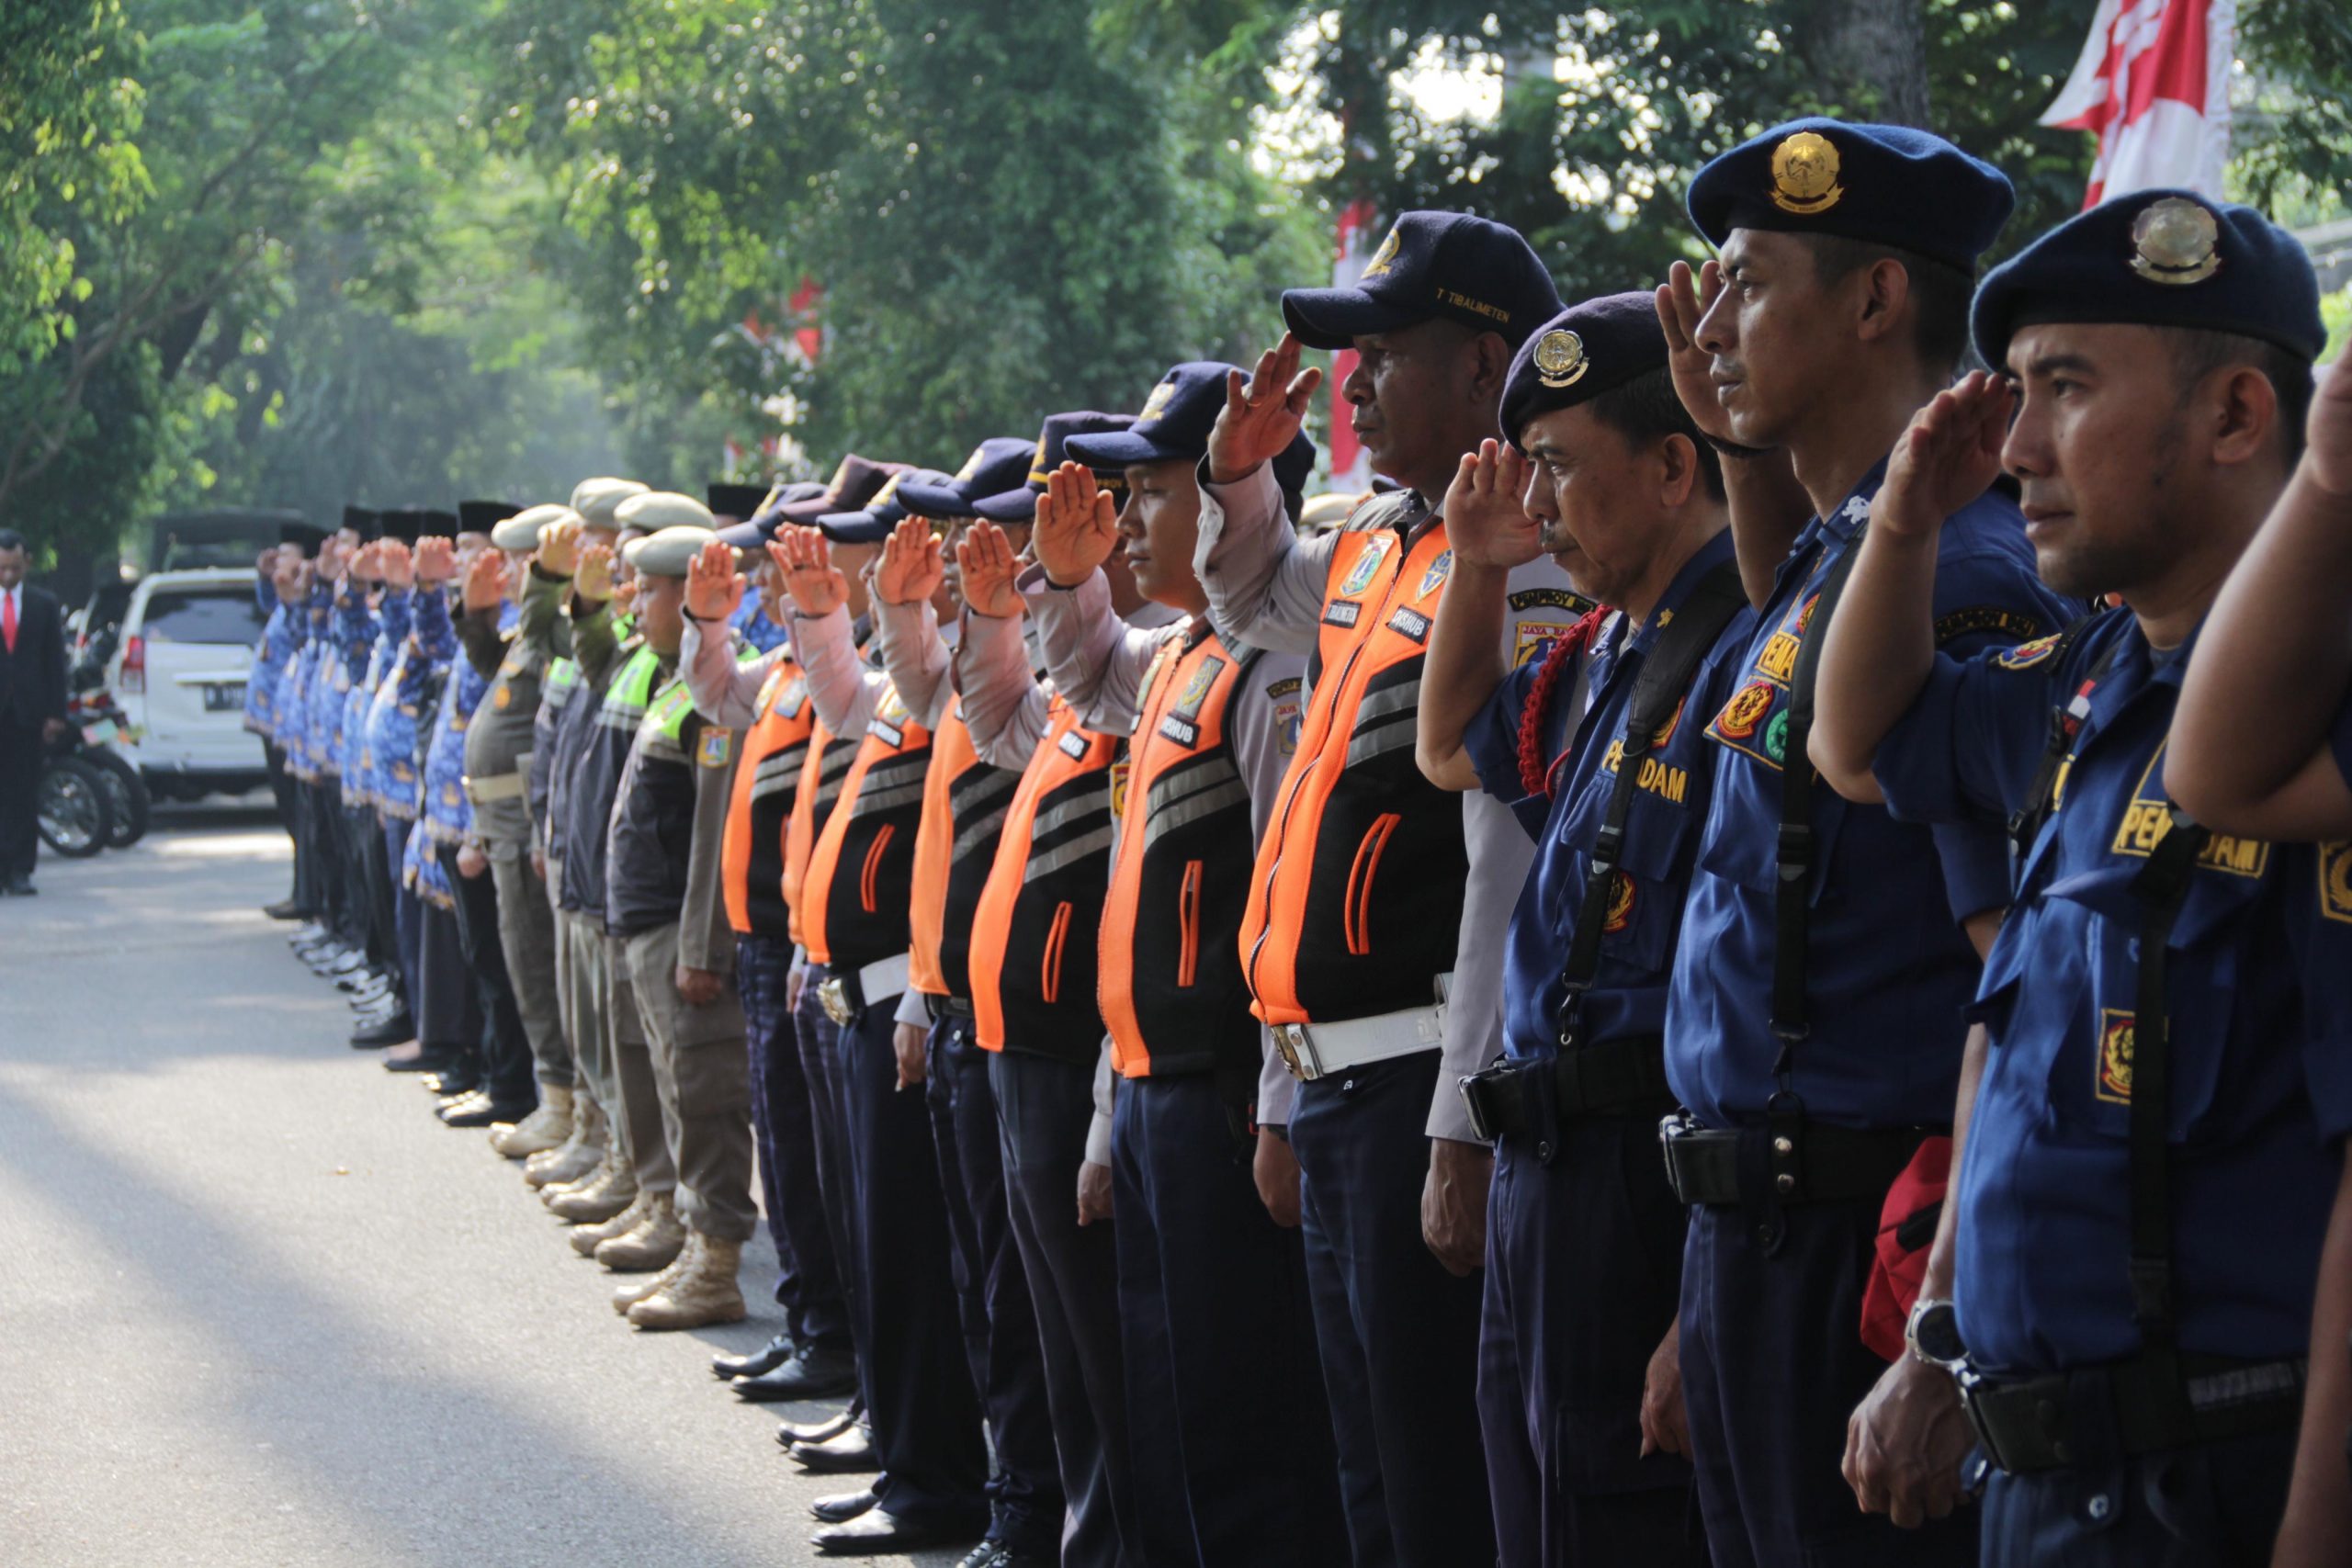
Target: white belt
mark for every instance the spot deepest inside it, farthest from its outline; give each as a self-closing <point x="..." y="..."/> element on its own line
<point x="1318" y="1050"/>
<point x="497" y="787"/>
<point x="879" y="982"/>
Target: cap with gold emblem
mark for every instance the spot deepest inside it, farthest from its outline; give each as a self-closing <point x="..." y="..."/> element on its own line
<point x="1466" y="269"/>
<point x="997" y="464"/>
<point x="1886" y="184"/>
<point x="1018" y="503"/>
<point x="2158" y="258"/>
<point x="1584" y="351"/>
<point x="521" y="532"/>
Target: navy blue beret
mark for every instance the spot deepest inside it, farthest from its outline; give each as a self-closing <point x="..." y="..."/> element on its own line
<point x="1886" y="184"/>
<point x="1584" y="351"/>
<point x="1175" y="423"/>
<point x="2158" y="258"/>
<point x="872" y="524"/>
<point x="1018" y="503"/>
<point x="1468" y="269"/>
<point x="997" y="464"/>
<point x="481" y="516"/>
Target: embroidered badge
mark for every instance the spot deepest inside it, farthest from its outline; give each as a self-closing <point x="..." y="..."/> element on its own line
<point x="1745" y="711"/>
<point x="1157" y="403"/>
<point x="717" y="747"/>
<point x="1384" y="257"/>
<point x="1410" y="624"/>
<point x="2025" y="655"/>
<point x="2335" y="881"/>
<point x="2114" y="1082"/>
<point x="1341" y="611"/>
<point x="1196" y="690"/>
<point x="1621" y="906"/>
<point x="2148" y="818"/>
<point x="1436" y="575"/>
<point x="1367" y="566"/>
<point x="502" y="698"/>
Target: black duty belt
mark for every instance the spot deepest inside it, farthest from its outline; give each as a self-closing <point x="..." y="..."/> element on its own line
<point x="1611" y="1078"/>
<point x="2027" y="1425"/>
<point x="944" y="1008"/>
<point x="1786" y="1161"/>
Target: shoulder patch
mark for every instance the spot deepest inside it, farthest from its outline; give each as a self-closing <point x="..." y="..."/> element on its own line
<point x="1986" y="618"/>
<point x="2025" y="655"/>
<point x="1289" y="686"/>
<point x="1549" y="598"/>
<point x="717" y="747"/>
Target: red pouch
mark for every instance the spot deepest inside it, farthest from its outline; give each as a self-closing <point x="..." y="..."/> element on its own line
<point x="1906" y="1228"/>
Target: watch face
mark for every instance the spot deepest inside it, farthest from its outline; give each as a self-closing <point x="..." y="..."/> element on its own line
<point x="1936" y="1332"/>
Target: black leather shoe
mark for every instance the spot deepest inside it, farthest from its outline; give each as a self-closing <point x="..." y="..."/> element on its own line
<point x="22" y="888"/>
<point x="424" y="1062"/>
<point x="842" y="1505"/>
<point x="851" y="1453"/>
<point x="453" y="1082"/>
<point x="285" y="910"/>
<point x="394" y="1031"/>
<point x="767" y="1358"/>
<point x="819" y="1372"/>
<point x="487" y="1111"/>
<point x="879" y="1530"/>
<point x="832" y="1427"/>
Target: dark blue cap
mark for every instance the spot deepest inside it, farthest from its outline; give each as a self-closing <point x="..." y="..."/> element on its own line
<point x="742" y="503"/>
<point x="761" y="525"/>
<point x="1467" y="269"/>
<point x="2158" y="258"/>
<point x="1175" y="423"/>
<point x="853" y="484"/>
<point x="872" y="524"/>
<point x="997" y="464"/>
<point x="1584" y="351"/>
<point x="1886" y="184"/>
<point x="1019" y="503"/>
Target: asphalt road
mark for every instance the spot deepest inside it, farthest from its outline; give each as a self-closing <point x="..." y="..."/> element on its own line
<point x="258" y="1307"/>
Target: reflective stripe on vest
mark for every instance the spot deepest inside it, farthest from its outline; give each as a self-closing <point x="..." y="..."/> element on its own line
<point x="1034" y="934"/>
<point x="854" y="902"/>
<point x="758" y="809"/>
<point x="1355" y="903"/>
<point x="1171" y="992"/>
<point x="964" y="803"/>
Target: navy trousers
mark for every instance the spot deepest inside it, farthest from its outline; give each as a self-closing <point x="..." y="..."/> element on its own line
<point x="1044" y="1109"/>
<point x="807" y="1285"/>
<point x="820" y="1065"/>
<point x="2215" y="1503"/>
<point x="407" y="923"/>
<point x="1773" y="1365"/>
<point x="448" y="1017"/>
<point x="1399" y="1335"/>
<point x="1000" y="1347"/>
<point x="507" y="1066"/>
<point x="920" y="1399"/>
<point x="1584" y="1271"/>
<point x="1223" y="1383"/>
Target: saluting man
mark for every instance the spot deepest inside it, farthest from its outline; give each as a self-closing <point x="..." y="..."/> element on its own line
<point x="2126" y="1274"/>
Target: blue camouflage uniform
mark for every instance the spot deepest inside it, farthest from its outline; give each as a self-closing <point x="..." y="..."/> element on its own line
<point x="271" y="654"/>
<point x="752" y="623"/>
<point x="355" y="633"/>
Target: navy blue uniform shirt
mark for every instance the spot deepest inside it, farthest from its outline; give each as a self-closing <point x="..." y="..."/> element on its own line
<point x="1628" y="995"/>
<point x="1889" y="968"/>
<point x="2259" y="985"/>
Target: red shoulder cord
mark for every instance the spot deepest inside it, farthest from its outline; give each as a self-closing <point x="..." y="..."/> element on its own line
<point x="1533" y="773"/>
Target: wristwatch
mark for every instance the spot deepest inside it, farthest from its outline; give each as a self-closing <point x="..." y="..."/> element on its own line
<point x="1933" y="1333"/>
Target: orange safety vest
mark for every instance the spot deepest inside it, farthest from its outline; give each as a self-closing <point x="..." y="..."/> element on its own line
<point x="964" y="802"/>
<point x="853" y="903"/>
<point x="1356" y="900"/>
<point x="767" y="779"/>
<point x="1172" y="991"/>
<point x="812" y="809"/>
<point x="1034" y="937"/>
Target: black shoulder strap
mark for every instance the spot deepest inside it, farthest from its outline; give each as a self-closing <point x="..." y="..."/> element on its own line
<point x="2041" y="800"/>
<point x="1791" y="905"/>
<point x="2161" y="887"/>
<point x="1658" y="690"/>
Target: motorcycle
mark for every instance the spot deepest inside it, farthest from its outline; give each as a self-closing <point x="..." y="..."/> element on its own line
<point x="99" y="726"/>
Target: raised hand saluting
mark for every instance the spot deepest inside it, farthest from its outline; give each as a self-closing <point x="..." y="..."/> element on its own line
<point x="592" y="575"/>
<point x="1263" y="415"/>
<point x="911" y="567"/>
<point x="1077" y="525"/>
<point x="436" y="561"/>
<point x="816" y="584"/>
<point x="485" y="581"/>
<point x="558" y="551"/>
<point x="1683" y="300"/>
<point x="1948" y="456"/>
<point x="393" y="561"/>
<point x="713" y="588"/>
<point x="1485" y="521"/>
<point x="985" y="562"/>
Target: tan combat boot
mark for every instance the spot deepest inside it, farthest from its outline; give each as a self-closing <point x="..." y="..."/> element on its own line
<point x="544" y="1129"/>
<point x="636" y="1290"/>
<point x="654" y="1242"/>
<point x="597" y="1171"/>
<point x="586" y="1239"/>
<point x="701" y="1293"/>
<point x="579" y="1152"/>
<point x="596" y="1202"/>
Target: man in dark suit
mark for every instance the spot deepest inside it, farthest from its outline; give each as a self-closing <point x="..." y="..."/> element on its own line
<point x="32" y="706"/>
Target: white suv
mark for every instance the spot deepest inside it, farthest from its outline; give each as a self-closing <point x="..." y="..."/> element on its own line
<point x="180" y="669"/>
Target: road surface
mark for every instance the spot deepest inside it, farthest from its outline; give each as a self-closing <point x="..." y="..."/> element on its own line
<point x="258" y="1307"/>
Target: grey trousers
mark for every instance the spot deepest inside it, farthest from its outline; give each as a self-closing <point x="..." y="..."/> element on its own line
<point x="703" y="1074"/>
<point x="644" y="1115"/>
<point x="526" y="936"/>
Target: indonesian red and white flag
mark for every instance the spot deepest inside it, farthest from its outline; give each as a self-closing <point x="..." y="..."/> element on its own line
<point x="2154" y="86"/>
<point x="1359" y="234"/>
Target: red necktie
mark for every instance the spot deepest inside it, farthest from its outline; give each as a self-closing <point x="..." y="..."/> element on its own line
<point x="8" y="618"/>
